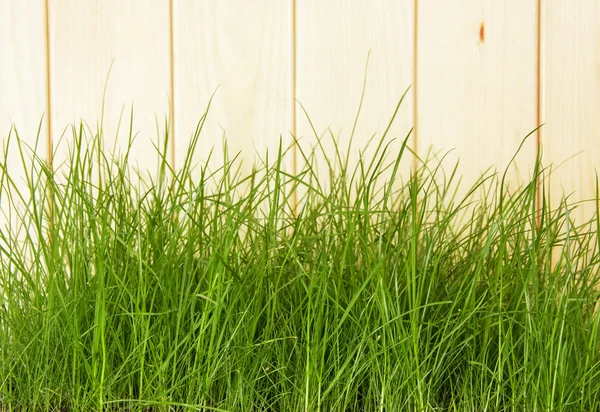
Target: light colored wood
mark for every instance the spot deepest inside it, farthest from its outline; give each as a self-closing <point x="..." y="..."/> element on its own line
<point x="571" y="98"/>
<point x="245" y="50"/>
<point x="334" y="39"/>
<point x="86" y="37"/>
<point x="22" y="67"/>
<point x="477" y="85"/>
<point x="22" y="87"/>
<point x="475" y="95"/>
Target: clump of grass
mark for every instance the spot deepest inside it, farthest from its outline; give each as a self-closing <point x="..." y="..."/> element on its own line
<point x="206" y="290"/>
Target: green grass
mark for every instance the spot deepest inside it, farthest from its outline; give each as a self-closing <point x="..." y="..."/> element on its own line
<point x="205" y="290"/>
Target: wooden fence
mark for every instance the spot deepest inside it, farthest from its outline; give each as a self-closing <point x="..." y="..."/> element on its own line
<point x="484" y="73"/>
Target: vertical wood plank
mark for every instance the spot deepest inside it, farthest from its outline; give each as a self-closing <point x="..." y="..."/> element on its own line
<point x="334" y="39"/>
<point x="23" y="88"/>
<point x="244" y="49"/>
<point x="22" y="67"/>
<point x="477" y="84"/>
<point x="571" y="98"/>
<point x="85" y="39"/>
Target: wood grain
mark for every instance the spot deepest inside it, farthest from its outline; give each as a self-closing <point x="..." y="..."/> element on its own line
<point x="245" y="50"/>
<point x="477" y="84"/>
<point x="333" y="42"/>
<point x="571" y="98"/>
<point x="132" y="35"/>
<point x="22" y="87"/>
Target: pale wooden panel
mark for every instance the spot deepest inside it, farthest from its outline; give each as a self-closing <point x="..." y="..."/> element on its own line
<point x="571" y="99"/>
<point x="477" y="84"/>
<point x="334" y="38"/>
<point x="86" y="36"/>
<point x="22" y="87"/>
<point x="244" y="49"/>
<point x="22" y="67"/>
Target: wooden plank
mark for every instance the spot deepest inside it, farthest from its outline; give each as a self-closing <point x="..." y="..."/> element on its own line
<point x="334" y="39"/>
<point x="570" y="62"/>
<point x="23" y="88"/>
<point x="22" y="68"/>
<point x="477" y="84"/>
<point x="85" y="39"/>
<point x="245" y="50"/>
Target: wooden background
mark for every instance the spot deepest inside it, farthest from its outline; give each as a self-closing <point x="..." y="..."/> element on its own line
<point x="484" y="73"/>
